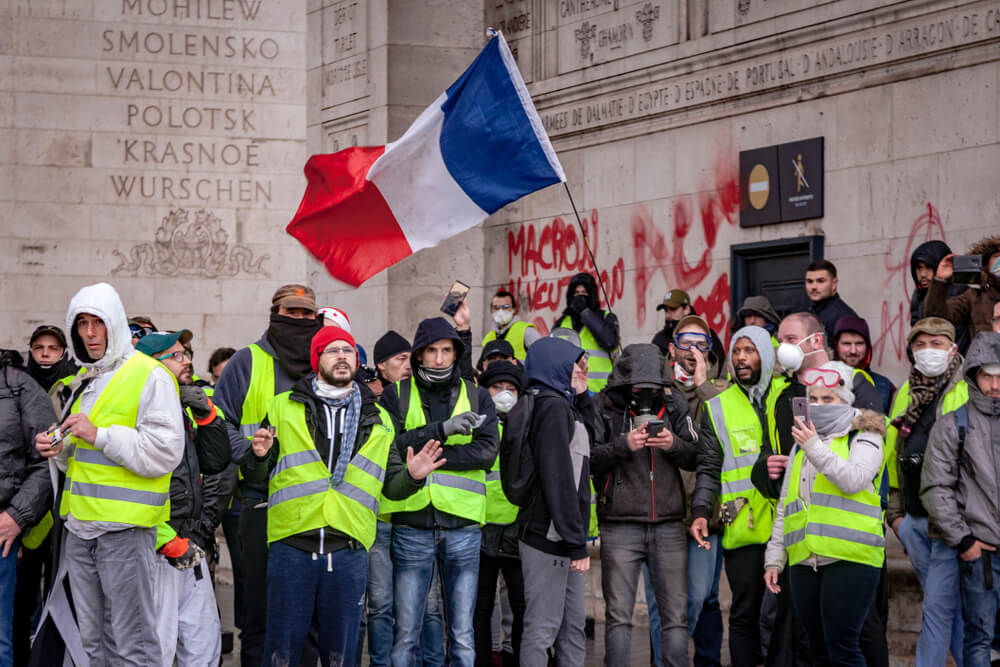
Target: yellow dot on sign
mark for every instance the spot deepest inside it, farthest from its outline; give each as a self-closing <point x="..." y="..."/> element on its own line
<point x="759" y="186"/>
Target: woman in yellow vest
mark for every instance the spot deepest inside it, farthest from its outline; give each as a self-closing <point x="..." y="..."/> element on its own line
<point x="829" y="526"/>
<point x="329" y="459"/>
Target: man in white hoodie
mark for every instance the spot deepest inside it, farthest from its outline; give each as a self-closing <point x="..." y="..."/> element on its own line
<point x="127" y="435"/>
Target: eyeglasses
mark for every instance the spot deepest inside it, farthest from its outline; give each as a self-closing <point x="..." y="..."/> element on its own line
<point x="342" y="351"/>
<point x="179" y="357"/>
<point x="827" y="377"/>
<point x="686" y="341"/>
<point x="503" y="306"/>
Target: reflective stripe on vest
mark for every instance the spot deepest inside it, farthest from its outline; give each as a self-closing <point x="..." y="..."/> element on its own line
<point x="260" y="391"/>
<point x="462" y="493"/>
<point x="499" y="510"/>
<point x="98" y="488"/>
<point x="300" y="496"/>
<point x="599" y="360"/>
<point x="514" y="336"/>
<point x="739" y="433"/>
<point x="956" y="397"/>
<point x="834" y="525"/>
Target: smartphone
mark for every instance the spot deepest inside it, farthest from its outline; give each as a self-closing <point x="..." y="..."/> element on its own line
<point x="967" y="269"/>
<point x="456" y="295"/>
<point x="800" y="409"/>
<point x="655" y="427"/>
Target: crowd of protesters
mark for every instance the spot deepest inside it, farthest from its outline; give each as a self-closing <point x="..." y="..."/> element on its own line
<point x="426" y="509"/>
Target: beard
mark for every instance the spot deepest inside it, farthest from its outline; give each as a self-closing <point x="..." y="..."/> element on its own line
<point x="329" y="375"/>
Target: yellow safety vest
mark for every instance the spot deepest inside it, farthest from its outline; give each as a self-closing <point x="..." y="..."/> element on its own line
<point x="956" y="397"/>
<point x="499" y="510"/>
<point x="834" y="524"/>
<point x="97" y="488"/>
<point x="300" y="498"/>
<point x="740" y="435"/>
<point x="462" y="493"/>
<point x="260" y="392"/>
<point x="514" y="336"/>
<point x="599" y="361"/>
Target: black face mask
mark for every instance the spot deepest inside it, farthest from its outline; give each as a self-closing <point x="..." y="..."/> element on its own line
<point x="47" y="377"/>
<point x="290" y="337"/>
<point x="646" y="402"/>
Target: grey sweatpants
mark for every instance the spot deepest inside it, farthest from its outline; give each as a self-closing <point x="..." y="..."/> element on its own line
<point x="554" y="609"/>
<point x="112" y="579"/>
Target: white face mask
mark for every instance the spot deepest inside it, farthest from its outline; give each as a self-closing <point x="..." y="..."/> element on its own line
<point x="791" y="356"/>
<point x="930" y="362"/>
<point x="504" y="401"/>
<point x="682" y="375"/>
<point x="502" y="317"/>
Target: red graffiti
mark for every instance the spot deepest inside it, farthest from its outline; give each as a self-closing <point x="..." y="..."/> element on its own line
<point x="895" y="317"/>
<point x="556" y="247"/>
<point x="652" y="253"/>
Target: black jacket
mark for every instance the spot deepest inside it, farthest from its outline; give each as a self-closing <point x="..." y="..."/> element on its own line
<point x="398" y="483"/>
<point x="438" y="401"/>
<point x="206" y="452"/>
<point x="829" y="311"/>
<point x="556" y="519"/>
<point x="25" y="411"/>
<point x="644" y="485"/>
<point x="866" y="397"/>
<point x="931" y="253"/>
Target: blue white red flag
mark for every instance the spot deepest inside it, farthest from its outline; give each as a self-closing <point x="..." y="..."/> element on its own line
<point x="476" y="148"/>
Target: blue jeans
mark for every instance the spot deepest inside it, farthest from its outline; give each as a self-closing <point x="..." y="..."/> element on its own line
<point x="937" y="570"/>
<point x="980" y="600"/>
<point x="704" y="613"/>
<point x="301" y="584"/>
<point x="380" y="597"/>
<point x="432" y="635"/>
<point x="414" y="554"/>
<point x="8" y="584"/>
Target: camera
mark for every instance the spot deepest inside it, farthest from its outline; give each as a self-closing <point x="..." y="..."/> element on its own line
<point x="967" y="269"/>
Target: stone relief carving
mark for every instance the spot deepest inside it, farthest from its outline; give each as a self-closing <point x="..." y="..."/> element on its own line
<point x="647" y="16"/>
<point x="190" y="244"/>
<point x="744" y="7"/>
<point x="584" y="34"/>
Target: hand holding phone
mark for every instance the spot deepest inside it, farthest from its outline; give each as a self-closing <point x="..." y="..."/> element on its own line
<point x="655" y="428"/>
<point x="800" y="409"/>
<point x="456" y="295"/>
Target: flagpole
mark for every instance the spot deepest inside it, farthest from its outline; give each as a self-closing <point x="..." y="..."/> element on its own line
<point x="586" y="244"/>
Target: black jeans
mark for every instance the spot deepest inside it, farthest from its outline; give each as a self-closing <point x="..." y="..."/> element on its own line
<point x="789" y="645"/>
<point x="26" y="596"/>
<point x="832" y="603"/>
<point x="253" y="556"/>
<point x="873" y="642"/>
<point x="745" y="572"/>
<point x="231" y="530"/>
<point x="490" y="568"/>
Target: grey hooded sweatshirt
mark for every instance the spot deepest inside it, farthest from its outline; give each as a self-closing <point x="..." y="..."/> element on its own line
<point x="960" y="486"/>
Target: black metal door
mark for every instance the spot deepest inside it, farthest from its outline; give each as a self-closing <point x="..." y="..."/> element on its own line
<point x="775" y="269"/>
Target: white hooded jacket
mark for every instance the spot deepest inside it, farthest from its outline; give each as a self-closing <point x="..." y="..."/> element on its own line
<point x="156" y="444"/>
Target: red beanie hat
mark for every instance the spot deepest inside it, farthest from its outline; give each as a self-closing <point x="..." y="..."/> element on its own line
<point x="324" y="337"/>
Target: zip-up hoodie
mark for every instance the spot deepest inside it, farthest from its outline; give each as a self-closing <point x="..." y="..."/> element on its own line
<point x="155" y="444"/>
<point x="643" y="485"/>
<point x="563" y="426"/>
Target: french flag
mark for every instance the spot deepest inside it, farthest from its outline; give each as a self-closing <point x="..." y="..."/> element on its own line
<point x="478" y="147"/>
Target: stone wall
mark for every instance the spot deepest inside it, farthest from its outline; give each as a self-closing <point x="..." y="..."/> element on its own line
<point x="155" y="144"/>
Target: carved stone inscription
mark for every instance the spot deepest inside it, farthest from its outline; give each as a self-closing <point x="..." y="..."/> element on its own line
<point x="345" y="52"/>
<point x="514" y="19"/>
<point x="197" y="84"/>
<point x="597" y="31"/>
<point x="913" y="37"/>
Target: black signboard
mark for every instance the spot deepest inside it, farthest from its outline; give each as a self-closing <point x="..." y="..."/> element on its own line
<point x="761" y="204"/>
<point x="781" y="183"/>
<point x="800" y="164"/>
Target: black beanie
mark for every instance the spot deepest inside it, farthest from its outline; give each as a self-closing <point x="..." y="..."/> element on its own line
<point x="503" y="371"/>
<point x="389" y="346"/>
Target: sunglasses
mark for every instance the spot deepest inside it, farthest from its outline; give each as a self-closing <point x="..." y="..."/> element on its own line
<point x="686" y="341"/>
<point x="827" y="377"/>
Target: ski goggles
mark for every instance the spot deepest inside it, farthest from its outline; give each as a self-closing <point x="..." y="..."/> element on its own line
<point x="138" y="332"/>
<point x="689" y="339"/>
<point x="826" y="377"/>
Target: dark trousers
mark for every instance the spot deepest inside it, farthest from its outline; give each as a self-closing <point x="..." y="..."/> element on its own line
<point x="832" y="602"/>
<point x="253" y="554"/>
<point x="789" y="645"/>
<point x="231" y="530"/>
<point x="745" y="572"/>
<point x="26" y="597"/>
<point x="874" y="644"/>
<point x="490" y="568"/>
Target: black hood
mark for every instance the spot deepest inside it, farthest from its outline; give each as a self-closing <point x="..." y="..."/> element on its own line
<point x="588" y="281"/>
<point x="430" y="330"/>
<point x="550" y="363"/>
<point x="639" y="363"/>
<point x="930" y="253"/>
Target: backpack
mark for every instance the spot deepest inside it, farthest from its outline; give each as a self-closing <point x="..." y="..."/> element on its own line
<point x="517" y="461"/>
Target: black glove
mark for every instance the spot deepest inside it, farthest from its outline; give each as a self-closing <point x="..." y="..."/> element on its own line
<point x="460" y="424"/>
<point x="193" y="396"/>
<point x="579" y="303"/>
